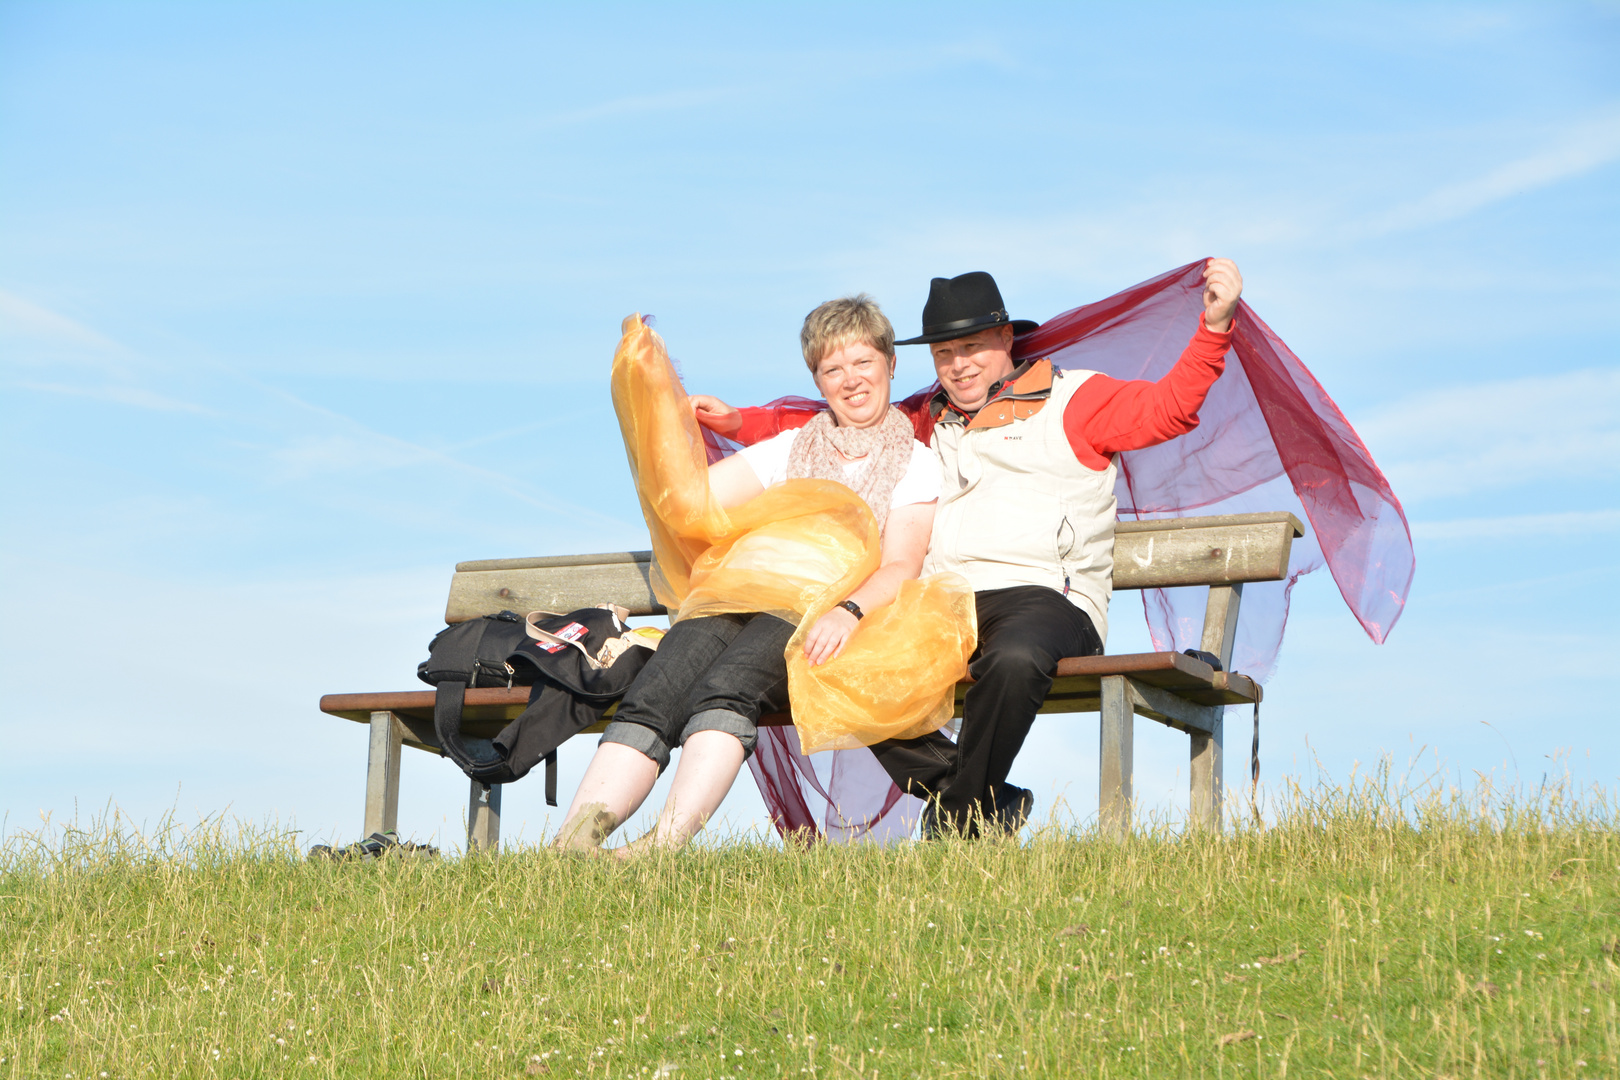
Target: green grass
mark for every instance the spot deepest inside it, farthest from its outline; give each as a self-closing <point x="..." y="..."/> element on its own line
<point x="1359" y="935"/>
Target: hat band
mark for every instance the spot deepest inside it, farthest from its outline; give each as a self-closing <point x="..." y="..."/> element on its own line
<point x="995" y="318"/>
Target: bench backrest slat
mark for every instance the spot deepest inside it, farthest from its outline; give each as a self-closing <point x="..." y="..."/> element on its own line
<point x="1214" y="550"/>
<point x="523" y="589"/>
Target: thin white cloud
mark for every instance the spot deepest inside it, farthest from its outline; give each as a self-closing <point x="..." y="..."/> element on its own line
<point x="311" y="455"/>
<point x="361" y="449"/>
<point x="1577" y="150"/>
<point x="26" y="319"/>
<point x="1500" y="434"/>
<point x="133" y="396"/>
<point x="1571" y="523"/>
<point x="1085" y="249"/>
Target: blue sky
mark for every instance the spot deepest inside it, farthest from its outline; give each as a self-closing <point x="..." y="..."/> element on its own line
<point x="301" y="304"/>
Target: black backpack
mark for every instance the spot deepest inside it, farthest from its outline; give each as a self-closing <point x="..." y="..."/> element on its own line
<point x="571" y="688"/>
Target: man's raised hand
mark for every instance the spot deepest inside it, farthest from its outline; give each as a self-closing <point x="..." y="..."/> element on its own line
<point x="1222" y="287"/>
<point x="716" y="415"/>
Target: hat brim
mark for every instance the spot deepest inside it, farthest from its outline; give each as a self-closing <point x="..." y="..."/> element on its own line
<point x="1019" y="326"/>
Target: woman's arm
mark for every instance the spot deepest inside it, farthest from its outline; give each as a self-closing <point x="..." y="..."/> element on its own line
<point x="905" y="542"/>
<point x="734" y="481"/>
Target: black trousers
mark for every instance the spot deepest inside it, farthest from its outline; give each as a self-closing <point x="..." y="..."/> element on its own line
<point x="715" y="673"/>
<point x="1023" y="633"/>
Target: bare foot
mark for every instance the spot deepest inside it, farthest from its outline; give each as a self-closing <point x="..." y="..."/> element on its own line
<point x="645" y="844"/>
<point x="585" y="831"/>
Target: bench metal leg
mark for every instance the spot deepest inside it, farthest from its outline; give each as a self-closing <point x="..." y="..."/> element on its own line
<point x="1220" y="634"/>
<point x="484" y="817"/>
<point x="1220" y="621"/>
<point x="382" y="773"/>
<point x="1206" y="795"/>
<point x="1117" y="743"/>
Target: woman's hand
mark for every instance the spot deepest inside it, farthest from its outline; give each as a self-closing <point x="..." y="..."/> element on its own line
<point x="715" y="414"/>
<point x="827" y="638"/>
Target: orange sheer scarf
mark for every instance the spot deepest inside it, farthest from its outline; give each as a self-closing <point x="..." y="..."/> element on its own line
<point x="793" y="552"/>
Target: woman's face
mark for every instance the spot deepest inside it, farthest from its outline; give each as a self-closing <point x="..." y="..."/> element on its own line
<point x="855" y="381"/>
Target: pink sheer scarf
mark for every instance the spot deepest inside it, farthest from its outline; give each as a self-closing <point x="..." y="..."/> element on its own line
<point x="1269" y="438"/>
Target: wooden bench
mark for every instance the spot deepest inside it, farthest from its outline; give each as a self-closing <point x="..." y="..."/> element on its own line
<point x="1177" y="690"/>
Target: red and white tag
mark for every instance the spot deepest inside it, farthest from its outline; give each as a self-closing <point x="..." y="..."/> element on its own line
<point x="572" y="632"/>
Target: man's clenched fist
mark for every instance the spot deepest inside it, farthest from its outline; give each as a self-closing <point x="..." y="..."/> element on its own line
<point x="1222" y="287"/>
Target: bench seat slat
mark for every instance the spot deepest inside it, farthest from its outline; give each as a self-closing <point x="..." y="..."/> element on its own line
<point x="1077" y="688"/>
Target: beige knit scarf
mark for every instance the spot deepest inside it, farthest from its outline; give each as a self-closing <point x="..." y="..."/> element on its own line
<point x="886" y="448"/>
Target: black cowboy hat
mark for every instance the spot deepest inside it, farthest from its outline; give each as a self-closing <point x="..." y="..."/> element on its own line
<point x="964" y="305"/>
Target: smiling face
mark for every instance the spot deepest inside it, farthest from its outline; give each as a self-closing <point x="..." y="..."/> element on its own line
<point x="968" y="366"/>
<point x="854" y="379"/>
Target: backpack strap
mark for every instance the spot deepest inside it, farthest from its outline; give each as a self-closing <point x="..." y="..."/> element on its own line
<point x="488" y="767"/>
<point x="448" y="698"/>
<point x="551" y="778"/>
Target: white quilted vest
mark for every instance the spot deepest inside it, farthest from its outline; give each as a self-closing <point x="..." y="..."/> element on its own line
<point x="1018" y="508"/>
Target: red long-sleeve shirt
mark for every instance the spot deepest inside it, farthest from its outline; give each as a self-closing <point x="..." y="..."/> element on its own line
<point x="1105" y="416"/>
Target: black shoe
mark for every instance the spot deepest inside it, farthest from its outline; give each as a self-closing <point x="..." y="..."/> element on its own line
<point x="1013" y="805"/>
<point x="374" y="846"/>
<point x="1012" y="809"/>
<point x="932" y="827"/>
<point x="937" y="824"/>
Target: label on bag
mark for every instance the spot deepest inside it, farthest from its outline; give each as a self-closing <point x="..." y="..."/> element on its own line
<point x="572" y="632"/>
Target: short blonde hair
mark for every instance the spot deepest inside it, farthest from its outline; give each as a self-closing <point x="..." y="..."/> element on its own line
<point x="849" y="320"/>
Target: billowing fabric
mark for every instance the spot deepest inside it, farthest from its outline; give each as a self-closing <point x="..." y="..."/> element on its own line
<point x="1269" y="438"/>
<point x="794" y="551"/>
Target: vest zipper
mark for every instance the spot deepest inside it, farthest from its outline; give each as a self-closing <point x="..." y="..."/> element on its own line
<point x="1060" y="553"/>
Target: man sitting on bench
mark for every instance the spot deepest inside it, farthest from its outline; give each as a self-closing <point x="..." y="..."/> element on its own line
<point x="1026" y="515"/>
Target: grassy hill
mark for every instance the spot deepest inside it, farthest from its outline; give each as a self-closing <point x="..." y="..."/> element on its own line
<point x="1359" y="935"/>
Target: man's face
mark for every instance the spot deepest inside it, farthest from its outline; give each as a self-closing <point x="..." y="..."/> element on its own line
<point x="968" y="366"/>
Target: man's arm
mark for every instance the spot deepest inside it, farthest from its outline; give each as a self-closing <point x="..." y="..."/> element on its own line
<point x="755" y="423"/>
<point x="752" y="424"/>
<point x="1108" y="415"/>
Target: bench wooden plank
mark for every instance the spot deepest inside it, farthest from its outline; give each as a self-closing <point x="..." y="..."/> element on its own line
<point x="1078" y="675"/>
<point x="1203" y="551"/>
<point x="1205" y="521"/>
<point x="622" y="578"/>
<point x="1076" y="689"/>
<point x="1163" y="553"/>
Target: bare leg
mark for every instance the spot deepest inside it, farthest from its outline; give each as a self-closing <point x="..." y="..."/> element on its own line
<point x="615" y="784"/>
<point x="708" y="766"/>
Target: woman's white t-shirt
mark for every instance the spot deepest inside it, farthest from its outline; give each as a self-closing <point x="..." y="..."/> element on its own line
<point x="920" y="484"/>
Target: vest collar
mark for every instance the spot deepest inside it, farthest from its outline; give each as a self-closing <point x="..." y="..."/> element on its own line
<point x="1017" y="397"/>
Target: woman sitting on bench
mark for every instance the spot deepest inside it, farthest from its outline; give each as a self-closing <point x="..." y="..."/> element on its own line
<point x="714" y="676"/>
